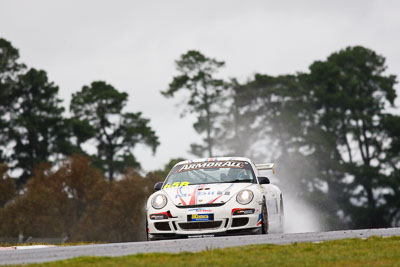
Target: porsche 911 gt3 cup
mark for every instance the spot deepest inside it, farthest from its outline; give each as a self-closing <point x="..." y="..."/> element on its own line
<point x="214" y="196"/>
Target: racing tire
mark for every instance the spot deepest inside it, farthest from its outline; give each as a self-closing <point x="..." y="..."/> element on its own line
<point x="264" y="219"/>
<point x="281" y="217"/>
<point x="147" y="231"/>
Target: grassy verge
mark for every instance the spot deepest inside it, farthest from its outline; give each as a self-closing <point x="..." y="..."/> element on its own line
<point x="373" y="251"/>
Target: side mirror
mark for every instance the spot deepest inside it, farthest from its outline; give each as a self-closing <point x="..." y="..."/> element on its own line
<point x="263" y="180"/>
<point x="158" y="186"/>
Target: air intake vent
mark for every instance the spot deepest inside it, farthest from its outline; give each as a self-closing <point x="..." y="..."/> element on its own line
<point x="200" y="225"/>
<point x="162" y="226"/>
<point x="237" y="222"/>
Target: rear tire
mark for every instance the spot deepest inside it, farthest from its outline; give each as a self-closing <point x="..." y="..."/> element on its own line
<point x="264" y="219"/>
<point x="281" y="217"/>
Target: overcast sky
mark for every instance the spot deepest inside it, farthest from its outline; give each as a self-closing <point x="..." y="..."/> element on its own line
<point x="133" y="44"/>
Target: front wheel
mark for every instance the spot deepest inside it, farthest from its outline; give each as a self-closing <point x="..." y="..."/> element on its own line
<point x="264" y="218"/>
<point x="147" y="231"/>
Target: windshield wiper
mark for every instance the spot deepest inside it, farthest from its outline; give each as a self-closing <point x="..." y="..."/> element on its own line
<point x="240" y="181"/>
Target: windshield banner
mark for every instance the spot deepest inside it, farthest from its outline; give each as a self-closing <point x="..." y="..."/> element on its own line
<point x="218" y="164"/>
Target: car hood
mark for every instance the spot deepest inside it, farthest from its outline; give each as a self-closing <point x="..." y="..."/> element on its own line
<point x="204" y="193"/>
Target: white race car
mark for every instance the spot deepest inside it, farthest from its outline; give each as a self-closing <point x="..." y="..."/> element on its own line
<point x="214" y="196"/>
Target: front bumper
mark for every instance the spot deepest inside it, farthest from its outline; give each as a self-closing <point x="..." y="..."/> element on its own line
<point x="175" y="221"/>
<point x="246" y="231"/>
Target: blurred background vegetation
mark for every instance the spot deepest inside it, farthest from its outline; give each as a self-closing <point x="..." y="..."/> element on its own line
<point x="330" y="131"/>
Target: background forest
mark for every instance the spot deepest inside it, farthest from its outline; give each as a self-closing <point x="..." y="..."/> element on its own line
<point x="333" y="132"/>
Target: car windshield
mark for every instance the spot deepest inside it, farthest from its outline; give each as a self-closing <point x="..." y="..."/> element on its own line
<point x="210" y="172"/>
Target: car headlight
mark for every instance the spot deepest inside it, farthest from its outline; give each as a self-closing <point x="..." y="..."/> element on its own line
<point x="244" y="197"/>
<point x="159" y="201"/>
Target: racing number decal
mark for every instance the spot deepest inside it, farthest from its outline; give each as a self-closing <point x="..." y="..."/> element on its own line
<point x="177" y="184"/>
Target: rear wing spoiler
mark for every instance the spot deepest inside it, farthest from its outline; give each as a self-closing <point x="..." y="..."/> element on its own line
<point x="266" y="166"/>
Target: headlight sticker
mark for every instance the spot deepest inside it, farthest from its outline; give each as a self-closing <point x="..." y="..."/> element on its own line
<point x="159" y="201"/>
<point x="244" y="197"/>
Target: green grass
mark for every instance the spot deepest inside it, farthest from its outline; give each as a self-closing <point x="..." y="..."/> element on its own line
<point x="374" y="251"/>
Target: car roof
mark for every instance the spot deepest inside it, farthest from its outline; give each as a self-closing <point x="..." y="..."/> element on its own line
<point x="189" y="161"/>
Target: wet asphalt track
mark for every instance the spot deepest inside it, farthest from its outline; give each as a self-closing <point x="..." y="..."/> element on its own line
<point x="174" y="246"/>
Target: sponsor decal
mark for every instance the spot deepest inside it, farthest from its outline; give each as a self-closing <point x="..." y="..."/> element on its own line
<point x="220" y="195"/>
<point x="200" y="217"/>
<point x="208" y="193"/>
<point x="242" y="211"/>
<point x="158" y="216"/>
<point x="198" y="191"/>
<point x="214" y="164"/>
<point x="161" y="215"/>
<point x="199" y="210"/>
<point x="177" y="184"/>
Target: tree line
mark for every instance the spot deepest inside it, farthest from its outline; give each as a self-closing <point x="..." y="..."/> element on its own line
<point x="330" y="131"/>
<point x="34" y="128"/>
<point x="76" y="203"/>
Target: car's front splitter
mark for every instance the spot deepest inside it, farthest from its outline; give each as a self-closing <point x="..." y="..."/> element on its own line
<point x="247" y="231"/>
